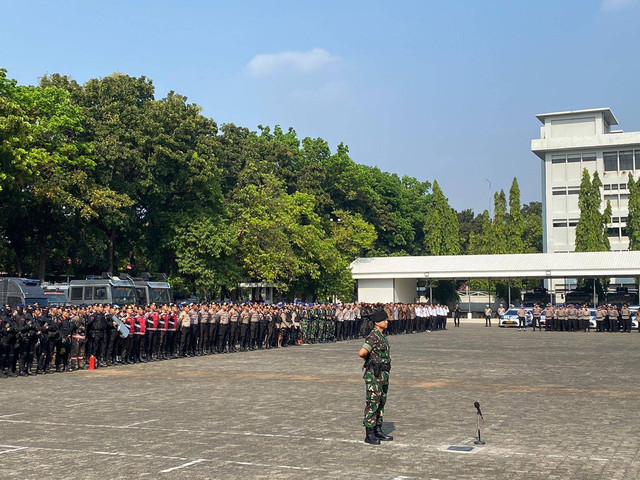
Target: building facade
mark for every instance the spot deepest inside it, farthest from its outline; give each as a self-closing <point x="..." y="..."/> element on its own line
<point x="570" y="142"/>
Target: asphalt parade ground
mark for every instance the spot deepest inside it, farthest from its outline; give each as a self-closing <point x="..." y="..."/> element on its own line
<point x="556" y="406"/>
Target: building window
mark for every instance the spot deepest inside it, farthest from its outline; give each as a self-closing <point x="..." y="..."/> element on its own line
<point x="572" y="158"/>
<point x="558" y="158"/>
<point x="626" y="160"/>
<point x="560" y="192"/>
<point x="610" y="161"/>
<point x="588" y="157"/>
<point x="613" y="231"/>
<point x="573" y="222"/>
<point x="559" y="223"/>
<point x="637" y="159"/>
<point x="573" y="191"/>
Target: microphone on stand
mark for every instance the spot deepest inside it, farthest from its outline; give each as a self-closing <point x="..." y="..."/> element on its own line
<point x="479" y="417"/>
<point x="477" y="405"/>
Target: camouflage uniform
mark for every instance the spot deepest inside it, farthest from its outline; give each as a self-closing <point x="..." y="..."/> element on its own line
<point x="304" y="323"/>
<point x="377" y="385"/>
<point x="313" y="325"/>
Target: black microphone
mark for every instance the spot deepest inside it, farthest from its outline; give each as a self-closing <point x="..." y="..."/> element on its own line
<point x="477" y="405"/>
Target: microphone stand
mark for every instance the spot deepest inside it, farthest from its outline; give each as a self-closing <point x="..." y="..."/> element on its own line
<point x="479" y="440"/>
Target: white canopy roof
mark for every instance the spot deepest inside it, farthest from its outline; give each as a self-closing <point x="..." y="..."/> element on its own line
<point x="527" y="265"/>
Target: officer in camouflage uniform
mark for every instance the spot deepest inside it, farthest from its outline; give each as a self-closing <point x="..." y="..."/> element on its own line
<point x="303" y="312"/>
<point x="313" y="324"/>
<point x="377" y="365"/>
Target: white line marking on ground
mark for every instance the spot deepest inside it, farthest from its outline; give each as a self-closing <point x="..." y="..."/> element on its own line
<point x="11" y="415"/>
<point x="12" y="450"/>
<point x="487" y="450"/>
<point x="183" y="465"/>
<point x="140" y="423"/>
<point x="212" y="460"/>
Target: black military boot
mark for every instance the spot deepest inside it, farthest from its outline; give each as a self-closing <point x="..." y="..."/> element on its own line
<point x="371" y="437"/>
<point x="377" y="430"/>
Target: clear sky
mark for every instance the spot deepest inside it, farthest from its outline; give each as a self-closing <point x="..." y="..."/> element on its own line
<point x="446" y="90"/>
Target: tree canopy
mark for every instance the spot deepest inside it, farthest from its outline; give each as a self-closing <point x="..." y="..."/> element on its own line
<point x="104" y="176"/>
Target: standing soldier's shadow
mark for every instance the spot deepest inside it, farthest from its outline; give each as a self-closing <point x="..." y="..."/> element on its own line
<point x="388" y="427"/>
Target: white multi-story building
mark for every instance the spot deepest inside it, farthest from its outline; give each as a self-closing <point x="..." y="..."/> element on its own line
<point x="570" y="142"/>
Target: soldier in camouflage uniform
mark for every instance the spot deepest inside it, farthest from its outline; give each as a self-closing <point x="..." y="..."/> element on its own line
<point x="376" y="354"/>
<point x="304" y="323"/>
<point x="313" y="324"/>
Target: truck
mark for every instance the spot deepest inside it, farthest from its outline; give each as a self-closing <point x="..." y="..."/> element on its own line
<point x="21" y="291"/>
<point x="105" y="289"/>
<point x="123" y="290"/>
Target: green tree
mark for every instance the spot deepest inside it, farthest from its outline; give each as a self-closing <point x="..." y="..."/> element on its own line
<point x="353" y="236"/>
<point x="205" y="253"/>
<point x="441" y="233"/>
<point x="591" y="232"/>
<point x="48" y="170"/>
<point x="633" y="218"/>
<point x="481" y="243"/>
<point x="532" y="237"/>
<point x="468" y="223"/>
<point x="515" y="226"/>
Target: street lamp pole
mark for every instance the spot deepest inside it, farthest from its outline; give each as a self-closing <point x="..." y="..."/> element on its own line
<point x="489" y="181"/>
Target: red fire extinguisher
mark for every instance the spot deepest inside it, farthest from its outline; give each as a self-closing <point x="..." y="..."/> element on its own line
<point x="92" y="363"/>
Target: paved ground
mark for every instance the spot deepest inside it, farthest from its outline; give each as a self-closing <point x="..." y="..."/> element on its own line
<point x="556" y="406"/>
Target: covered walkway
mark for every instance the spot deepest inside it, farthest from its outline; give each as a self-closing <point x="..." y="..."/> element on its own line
<point x="394" y="279"/>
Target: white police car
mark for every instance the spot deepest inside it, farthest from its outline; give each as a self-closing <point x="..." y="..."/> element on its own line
<point x="510" y="318"/>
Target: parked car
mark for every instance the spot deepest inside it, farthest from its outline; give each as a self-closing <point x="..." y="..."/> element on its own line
<point x="510" y="318"/>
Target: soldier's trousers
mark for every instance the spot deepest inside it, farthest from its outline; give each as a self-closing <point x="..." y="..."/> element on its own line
<point x="254" y="330"/>
<point x="204" y="337"/>
<point x="185" y="338"/>
<point x="6" y="356"/>
<point x="63" y="348"/>
<point x="113" y="339"/>
<point x="223" y="336"/>
<point x="214" y="328"/>
<point x="262" y="334"/>
<point x="27" y="353"/>
<point x="234" y="333"/>
<point x="77" y="349"/>
<point x="244" y="335"/>
<point x="272" y="334"/>
<point x="377" y="388"/>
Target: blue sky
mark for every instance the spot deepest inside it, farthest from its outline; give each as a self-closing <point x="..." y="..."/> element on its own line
<point x="445" y="90"/>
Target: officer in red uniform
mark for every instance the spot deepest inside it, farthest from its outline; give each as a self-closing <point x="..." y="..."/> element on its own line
<point x="139" y="331"/>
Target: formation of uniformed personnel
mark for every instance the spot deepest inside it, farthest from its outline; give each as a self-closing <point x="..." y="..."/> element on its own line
<point x="377" y="366"/>
<point x="33" y="339"/>
<point x="577" y="318"/>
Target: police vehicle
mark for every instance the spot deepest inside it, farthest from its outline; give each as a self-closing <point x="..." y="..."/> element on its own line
<point x="21" y="291"/>
<point x="510" y="318"/>
<point x="105" y="289"/>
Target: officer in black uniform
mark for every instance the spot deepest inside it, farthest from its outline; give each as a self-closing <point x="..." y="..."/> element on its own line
<point x="63" y="342"/>
<point x="7" y="343"/>
<point x="50" y="335"/>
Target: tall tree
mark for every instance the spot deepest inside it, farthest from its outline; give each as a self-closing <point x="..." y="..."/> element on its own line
<point x="633" y="218"/>
<point x="48" y="168"/>
<point x="532" y="236"/>
<point x="441" y="232"/>
<point x="591" y="232"/>
<point x="515" y="221"/>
